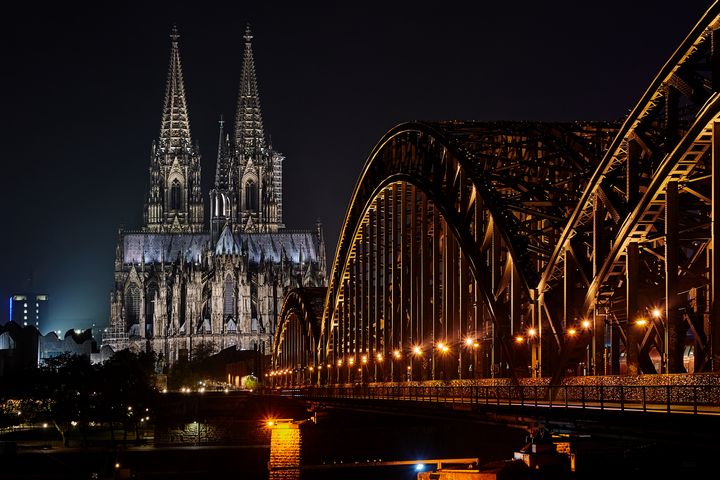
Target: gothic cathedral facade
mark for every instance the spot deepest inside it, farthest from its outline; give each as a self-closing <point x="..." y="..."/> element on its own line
<point x="182" y="285"/>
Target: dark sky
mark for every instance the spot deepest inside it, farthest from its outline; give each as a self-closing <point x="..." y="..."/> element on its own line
<point x="82" y="93"/>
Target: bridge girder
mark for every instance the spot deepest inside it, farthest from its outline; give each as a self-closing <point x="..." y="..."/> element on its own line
<point x="562" y="233"/>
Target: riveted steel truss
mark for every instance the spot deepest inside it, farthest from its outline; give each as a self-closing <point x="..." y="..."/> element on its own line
<point x="520" y="248"/>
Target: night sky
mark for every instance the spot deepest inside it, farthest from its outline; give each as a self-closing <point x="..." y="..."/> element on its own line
<point x="82" y="93"/>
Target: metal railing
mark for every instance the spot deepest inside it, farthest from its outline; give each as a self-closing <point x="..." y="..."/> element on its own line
<point x="686" y="399"/>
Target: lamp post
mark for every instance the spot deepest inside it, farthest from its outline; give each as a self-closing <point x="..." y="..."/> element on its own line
<point x="396" y="356"/>
<point x="417" y="353"/>
<point x="657" y="315"/>
<point x="442" y="349"/>
<point x="586" y="324"/>
<point x="379" y="360"/>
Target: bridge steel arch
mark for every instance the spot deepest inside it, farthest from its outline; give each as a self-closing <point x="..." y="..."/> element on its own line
<point x="297" y="336"/>
<point x="541" y="245"/>
<point x="641" y="235"/>
<point x="443" y="243"/>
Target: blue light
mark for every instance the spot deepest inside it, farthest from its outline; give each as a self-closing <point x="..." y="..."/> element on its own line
<point x="419" y="467"/>
<point x="11" y="308"/>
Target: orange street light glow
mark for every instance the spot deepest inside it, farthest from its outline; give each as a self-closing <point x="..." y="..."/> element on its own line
<point x="519" y="339"/>
<point x="641" y="322"/>
<point x="532" y="332"/>
<point x="572" y="331"/>
<point x="656" y="313"/>
<point x="468" y="341"/>
<point x="417" y="350"/>
<point x="586" y="323"/>
<point x="396" y="354"/>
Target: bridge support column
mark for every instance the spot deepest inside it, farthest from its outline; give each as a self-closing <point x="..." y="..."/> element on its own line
<point x="715" y="254"/>
<point x="674" y="333"/>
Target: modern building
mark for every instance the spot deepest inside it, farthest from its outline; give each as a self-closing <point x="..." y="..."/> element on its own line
<point x="183" y="284"/>
<point x="29" y="309"/>
<point x="24" y="348"/>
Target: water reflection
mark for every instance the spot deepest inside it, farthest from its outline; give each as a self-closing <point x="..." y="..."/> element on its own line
<point x="285" y="443"/>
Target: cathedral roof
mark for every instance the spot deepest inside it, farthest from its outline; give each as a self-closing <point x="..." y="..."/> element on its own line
<point x="163" y="247"/>
<point x="295" y="246"/>
<point x="226" y="244"/>
<point x="298" y="246"/>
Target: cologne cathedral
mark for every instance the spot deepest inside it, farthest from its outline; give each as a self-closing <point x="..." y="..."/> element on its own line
<point x="181" y="284"/>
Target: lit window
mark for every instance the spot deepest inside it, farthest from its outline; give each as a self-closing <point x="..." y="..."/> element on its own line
<point x="25" y="317"/>
<point x="25" y="305"/>
<point x="24" y="324"/>
<point x="25" y="311"/>
<point x="37" y="304"/>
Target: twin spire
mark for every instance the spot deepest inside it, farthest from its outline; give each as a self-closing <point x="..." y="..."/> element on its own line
<point x="249" y="133"/>
<point x="175" y="125"/>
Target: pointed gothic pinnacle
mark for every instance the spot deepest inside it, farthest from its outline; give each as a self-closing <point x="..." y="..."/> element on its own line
<point x="174" y="35"/>
<point x="248" y="33"/>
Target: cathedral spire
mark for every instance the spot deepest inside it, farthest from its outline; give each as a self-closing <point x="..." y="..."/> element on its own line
<point x="175" y="126"/>
<point x="222" y="168"/>
<point x="249" y="133"/>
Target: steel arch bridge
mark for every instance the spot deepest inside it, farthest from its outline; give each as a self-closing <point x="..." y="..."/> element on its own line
<point x="511" y="249"/>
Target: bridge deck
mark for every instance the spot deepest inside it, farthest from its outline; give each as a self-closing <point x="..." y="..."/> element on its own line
<point x="666" y="399"/>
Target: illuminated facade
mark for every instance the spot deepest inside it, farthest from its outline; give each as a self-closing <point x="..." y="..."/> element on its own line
<point x="179" y="283"/>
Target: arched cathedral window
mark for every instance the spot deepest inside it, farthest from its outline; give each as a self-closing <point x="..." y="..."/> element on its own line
<point x="229" y="297"/>
<point x="251" y="196"/>
<point x="150" y="298"/>
<point x="132" y="304"/>
<point x="175" y="195"/>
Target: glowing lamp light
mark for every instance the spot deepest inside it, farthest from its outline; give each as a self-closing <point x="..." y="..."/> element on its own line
<point x="468" y="341"/>
<point x="270" y="423"/>
<point x="571" y="331"/>
<point x="351" y="361"/>
<point x="396" y="354"/>
<point x="586" y="323"/>
<point x="364" y="359"/>
<point x="476" y="345"/>
<point x="641" y="322"/>
<point x="417" y="350"/>
<point x="656" y="313"/>
<point x="519" y="339"/>
<point x="339" y="363"/>
<point x="419" y="467"/>
<point x="117" y="465"/>
<point x="532" y="332"/>
<point x="379" y="357"/>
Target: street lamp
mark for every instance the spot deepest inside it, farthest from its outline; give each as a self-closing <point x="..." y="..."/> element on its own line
<point x="396" y="356"/>
<point x="442" y="348"/>
<point x="657" y="315"/>
<point x="586" y="324"/>
<point x="379" y="360"/>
